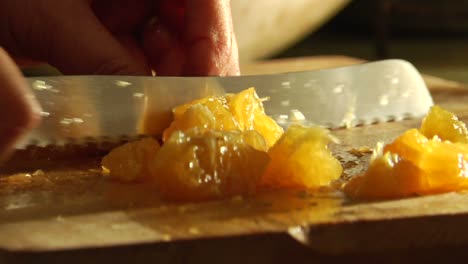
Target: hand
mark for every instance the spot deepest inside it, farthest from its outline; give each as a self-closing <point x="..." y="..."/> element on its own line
<point x="172" y="37"/>
<point x="20" y="111"/>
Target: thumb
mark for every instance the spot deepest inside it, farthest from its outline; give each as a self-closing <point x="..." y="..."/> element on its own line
<point x="20" y="110"/>
<point x="69" y="37"/>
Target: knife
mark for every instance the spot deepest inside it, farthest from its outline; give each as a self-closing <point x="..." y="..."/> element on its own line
<point x="92" y="108"/>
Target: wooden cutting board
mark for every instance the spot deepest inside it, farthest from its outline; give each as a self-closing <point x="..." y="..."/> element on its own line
<point x="65" y="203"/>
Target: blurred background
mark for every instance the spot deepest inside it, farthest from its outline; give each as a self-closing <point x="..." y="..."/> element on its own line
<point x="432" y="34"/>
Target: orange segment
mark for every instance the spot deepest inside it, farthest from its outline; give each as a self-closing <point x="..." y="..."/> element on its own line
<point x="130" y="161"/>
<point x="198" y="117"/>
<point x="159" y="101"/>
<point x="444" y="124"/>
<point x="267" y="127"/>
<point x="243" y="111"/>
<point x="386" y="177"/>
<point x="254" y="139"/>
<point x="430" y="160"/>
<point x="441" y="164"/>
<point x="192" y="166"/>
<point x="208" y="114"/>
<point x="244" y="106"/>
<point x="301" y="159"/>
<point x="411" y="165"/>
<point x="249" y="112"/>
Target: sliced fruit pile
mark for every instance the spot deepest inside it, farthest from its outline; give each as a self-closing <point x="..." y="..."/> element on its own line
<point x="429" y="160"/>
<point x="224" y="146"/>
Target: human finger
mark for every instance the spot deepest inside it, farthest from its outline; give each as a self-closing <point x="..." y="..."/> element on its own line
<point x="123" y="15"/>
<point x="163" y="50"/>
<point x="210" y="38"/>
<point x="20" y="110"/>
<point x="194" y="38"/>
<point x="69" y="37"/>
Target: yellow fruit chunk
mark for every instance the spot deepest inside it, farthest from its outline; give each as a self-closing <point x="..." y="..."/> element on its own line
<point x="248" y="110"/>
<point x="255" y="140"/>
<point x="243" y="111"/>
<point x="301" y="159"/>
<point x="413" y="165"/>
<point x="157" y="113"/>
<point x="444" y="124"/>
<point x="216" y="104"/>
<point x="198" y="117"/>
<point x="191" y="166"/>
<point x="206" y="114"/>
<point x="130" y="161"/>
<point x="430" y="160"/>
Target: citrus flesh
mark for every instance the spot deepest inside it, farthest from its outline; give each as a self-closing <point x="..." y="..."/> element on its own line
<point x="445" y="125"/>
<point x="242" y="111"/>
<point x="130" y="161"/>
<point x="225" y="146"/>
<point x="248" y="110"/>
<point x="301" y="159"/>
<point x="433" y="159"/>
<point x="194" y="166"/>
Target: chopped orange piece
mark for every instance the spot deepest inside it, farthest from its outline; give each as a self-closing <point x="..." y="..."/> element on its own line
<point x="130" y="161"/>
<point x="202" y="118"/>
<point x="248" y="110"/>
<point x="243" y="111"/>
<point x="256" y="140"/>
<point x="221" y="146"/>
<point x="444" y="124"/>
<point x="301" y="159"/>
<point x="191" y="166"/>
<point x="433" y="159"/>
<point x="413" y="165"/>
<point x="159" y="102"/>
<point x="386" y="177"/>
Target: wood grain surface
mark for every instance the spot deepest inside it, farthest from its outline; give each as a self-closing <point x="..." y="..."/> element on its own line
<point x="68" y="204"/>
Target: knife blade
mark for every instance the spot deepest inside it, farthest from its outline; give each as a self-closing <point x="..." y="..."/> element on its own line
<point x="89" y="108"/>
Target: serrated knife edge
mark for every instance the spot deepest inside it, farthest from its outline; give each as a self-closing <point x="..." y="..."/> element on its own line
<point x="94" y="107"/>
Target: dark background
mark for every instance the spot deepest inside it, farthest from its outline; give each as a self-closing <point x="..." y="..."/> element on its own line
<point x="432" y="34"/>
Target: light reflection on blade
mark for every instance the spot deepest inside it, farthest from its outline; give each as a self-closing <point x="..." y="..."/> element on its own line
<point x="78" y="107"/>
